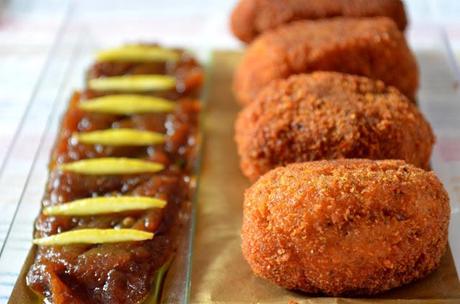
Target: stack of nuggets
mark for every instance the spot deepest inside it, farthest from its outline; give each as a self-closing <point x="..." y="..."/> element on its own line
<point x="331" y="136"/>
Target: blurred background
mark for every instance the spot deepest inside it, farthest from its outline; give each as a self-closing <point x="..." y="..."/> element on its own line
<point x="30" y="28"/>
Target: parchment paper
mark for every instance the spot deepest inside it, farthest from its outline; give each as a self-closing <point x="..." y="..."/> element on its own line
<point x="219" y="272"/>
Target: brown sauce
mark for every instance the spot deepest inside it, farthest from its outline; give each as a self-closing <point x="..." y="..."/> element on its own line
<point x="120" y="272"/>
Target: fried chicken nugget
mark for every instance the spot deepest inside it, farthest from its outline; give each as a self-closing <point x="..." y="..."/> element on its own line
<point x="329" y="115"/>
<point x="345" y="227"/>
<point x="253" y="17"/>
<point x="372" y="47"/>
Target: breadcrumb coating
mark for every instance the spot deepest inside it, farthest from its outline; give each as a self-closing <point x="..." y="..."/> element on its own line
<point x="328" y="115"/>
<point x="345" y="227"/>
<point x="372" y="47"/>
<point x="253" y="17"/>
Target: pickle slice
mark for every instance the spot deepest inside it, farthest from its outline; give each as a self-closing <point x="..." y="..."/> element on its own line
<point x="120" y="137"/>
<point x="94" y="236"/>
<point x="138" y="53"/>
<point x="127" y="104"/>
<point x="133" y="83"/>
<point x="111" y="165"/>
<point x="103" y="205"/>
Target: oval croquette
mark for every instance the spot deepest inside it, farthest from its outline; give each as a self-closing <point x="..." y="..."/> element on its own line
<point x="328" y="115"/>
<point x="372" y="47"/>
<point x="346" y="227"/>
<point x="253" y="17"/>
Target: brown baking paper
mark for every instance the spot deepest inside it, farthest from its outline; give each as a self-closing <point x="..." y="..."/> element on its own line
<point x="219" y="272"/>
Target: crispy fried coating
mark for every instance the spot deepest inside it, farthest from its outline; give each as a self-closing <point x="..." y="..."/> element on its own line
<point x="329" y="115"/>
<point x="372" y="47"/>
<point x="253" y="17"/>
<point x="345" y="227"/>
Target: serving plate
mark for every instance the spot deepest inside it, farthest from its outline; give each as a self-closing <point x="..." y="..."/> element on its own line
<point x="74" y="51"/>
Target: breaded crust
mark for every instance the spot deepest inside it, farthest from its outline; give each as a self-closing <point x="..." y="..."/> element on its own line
<point x="346" y="227"/>
<point x="371" y="47"/>
<point x="253" y="17"/>
<point x="328" y="115"/>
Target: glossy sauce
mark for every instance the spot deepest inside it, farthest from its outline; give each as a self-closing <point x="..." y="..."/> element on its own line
<point x="120" y="272"/>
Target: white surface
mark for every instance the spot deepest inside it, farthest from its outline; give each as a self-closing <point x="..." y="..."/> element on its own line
<point x="30" y="106"/>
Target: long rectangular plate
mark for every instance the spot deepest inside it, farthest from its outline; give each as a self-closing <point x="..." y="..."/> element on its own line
<point x="74" y="53"/>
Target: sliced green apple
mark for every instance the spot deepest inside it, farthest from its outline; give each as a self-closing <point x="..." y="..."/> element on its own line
<point x="138" y="53"/>
<point x="94" y="236"/>
<point x="104" y="205"/>
<point x="133" y="83"/>
<point x="111" y="166"/>
<point x="120" y="137"/>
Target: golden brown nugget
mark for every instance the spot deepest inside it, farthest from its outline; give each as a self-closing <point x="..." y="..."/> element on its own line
<point x="253" y="17"/>
<point x="372" y="47"/>
<point x="346" y="227"/>
<point x="329" y="115"/>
